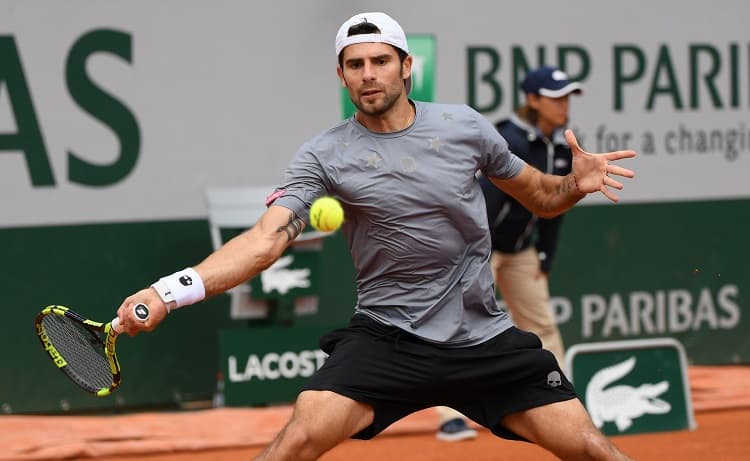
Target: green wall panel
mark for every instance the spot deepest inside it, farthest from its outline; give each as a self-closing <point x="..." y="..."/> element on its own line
<point x="653" y="270"/>
<point x="91" y="269"/>
<point x="676" y="270"/>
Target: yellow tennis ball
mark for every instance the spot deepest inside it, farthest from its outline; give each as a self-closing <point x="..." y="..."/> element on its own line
<point x="326" y="214"/>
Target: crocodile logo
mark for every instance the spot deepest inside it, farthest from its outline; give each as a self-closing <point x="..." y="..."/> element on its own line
<point x="281" y="278"/>
<point x="622" y="404"/>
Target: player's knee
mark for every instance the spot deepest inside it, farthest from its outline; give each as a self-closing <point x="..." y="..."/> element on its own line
<point x="598" y="448"/>
<point x="298" y="439"/>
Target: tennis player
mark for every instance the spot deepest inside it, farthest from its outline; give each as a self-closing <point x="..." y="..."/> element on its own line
<point x="426" y="330"/>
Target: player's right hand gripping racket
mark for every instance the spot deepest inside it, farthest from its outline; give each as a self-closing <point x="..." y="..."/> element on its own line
<point x="83" y="349"/>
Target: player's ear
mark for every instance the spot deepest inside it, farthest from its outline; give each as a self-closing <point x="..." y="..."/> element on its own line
<point x="406" y="67"/>
<point x="340" y="73"/>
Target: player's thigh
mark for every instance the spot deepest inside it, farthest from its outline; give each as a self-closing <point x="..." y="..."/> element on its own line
<point x="329" y="417"/>
<point x="564" y="428"/>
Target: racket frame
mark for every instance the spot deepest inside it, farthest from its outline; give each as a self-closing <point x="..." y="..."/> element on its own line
<point x="91" y="325"/>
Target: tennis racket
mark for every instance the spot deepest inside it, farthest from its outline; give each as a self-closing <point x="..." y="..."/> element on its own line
<point x="83" y="349"/>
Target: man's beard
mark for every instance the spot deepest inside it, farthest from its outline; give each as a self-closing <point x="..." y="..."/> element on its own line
<point x="388" y="101"/>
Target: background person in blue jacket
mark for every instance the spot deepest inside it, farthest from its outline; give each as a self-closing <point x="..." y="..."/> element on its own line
<point x="520" y="263"/>
<point x="524" y="245"/>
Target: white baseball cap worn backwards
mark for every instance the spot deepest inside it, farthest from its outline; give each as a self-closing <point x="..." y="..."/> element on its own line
<point x="390" y="32"/>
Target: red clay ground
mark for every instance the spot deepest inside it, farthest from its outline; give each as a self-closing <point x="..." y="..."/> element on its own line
<point x="721" y="435"/>
<point x="720" y="396"/>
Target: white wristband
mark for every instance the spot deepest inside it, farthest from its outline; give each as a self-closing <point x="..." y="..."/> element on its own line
<point x="180" y="289"/>
<point x="166" y="295"/>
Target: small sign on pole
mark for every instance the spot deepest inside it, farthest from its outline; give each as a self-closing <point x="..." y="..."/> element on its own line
<point x="633" y="386"/>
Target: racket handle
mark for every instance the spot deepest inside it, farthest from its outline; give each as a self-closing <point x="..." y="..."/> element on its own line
<point x="141" y="313"/>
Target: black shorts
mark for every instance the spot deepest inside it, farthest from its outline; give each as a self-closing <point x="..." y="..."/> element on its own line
<point x="398" y="374"/>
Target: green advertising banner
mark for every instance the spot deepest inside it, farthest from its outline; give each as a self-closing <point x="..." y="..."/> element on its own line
<point x="264" y="366"/>
<point x="634" y="386"/>
<point x="656" y="270"/>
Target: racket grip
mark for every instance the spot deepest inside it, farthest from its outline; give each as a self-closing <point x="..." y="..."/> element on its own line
<point x="141" y="313"/>
<point x="116" y="325"/>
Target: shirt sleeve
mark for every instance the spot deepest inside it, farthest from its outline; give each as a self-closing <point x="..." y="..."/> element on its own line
<point x="497" y="159"/>
<point x="304" y="181"/>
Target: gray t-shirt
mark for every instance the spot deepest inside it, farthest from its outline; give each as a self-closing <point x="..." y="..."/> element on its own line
<point x="415" y="217"/>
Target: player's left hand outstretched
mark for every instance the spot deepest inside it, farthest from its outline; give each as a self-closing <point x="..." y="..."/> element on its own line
<point x="592" y="171"/>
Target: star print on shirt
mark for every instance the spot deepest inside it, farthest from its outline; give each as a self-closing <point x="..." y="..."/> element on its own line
<point x="447" y="116"/>
<point x="436" y="144"/>
<point x="343" y="142"/>
<point x="374" y="160"/>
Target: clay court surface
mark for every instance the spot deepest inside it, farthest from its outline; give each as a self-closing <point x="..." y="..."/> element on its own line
<point x="720" y="395"/>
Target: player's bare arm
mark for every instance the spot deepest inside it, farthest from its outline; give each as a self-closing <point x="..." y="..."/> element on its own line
<point x="293" y="227"/>
<point x="251" y="252"/>
<point x="550" y="195"/>
<point x="240" y="259"/>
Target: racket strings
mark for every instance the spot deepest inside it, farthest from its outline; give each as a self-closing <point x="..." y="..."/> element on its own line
<point x="82" y="349"/>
